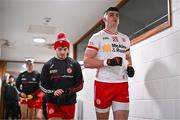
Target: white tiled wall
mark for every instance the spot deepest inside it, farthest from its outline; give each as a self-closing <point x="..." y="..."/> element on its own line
<point x="87" y="95"/>
<point x="155" y="88"/>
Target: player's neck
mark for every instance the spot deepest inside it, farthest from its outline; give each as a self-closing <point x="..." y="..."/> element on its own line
<point x="29" y="71"/>
<point x="61" y="58"/>
<point x="112" y="29"/>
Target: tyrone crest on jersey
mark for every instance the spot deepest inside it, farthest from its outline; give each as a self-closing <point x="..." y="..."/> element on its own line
<point x="123" y="39"/>
<point x="33" y="79"/>
<point x="51" y="111"/>
<point x="115" y="38"/>
<point x="69" y="70"/>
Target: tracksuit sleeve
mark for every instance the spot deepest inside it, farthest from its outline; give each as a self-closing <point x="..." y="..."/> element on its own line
<point x="35" y="93"/>
<point x="44" y="80"/>
<point x="18" y="83"/>
<point x="78" y="78"/>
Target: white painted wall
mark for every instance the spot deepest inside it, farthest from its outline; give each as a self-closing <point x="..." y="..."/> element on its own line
<point x="87" y="94"/>
<point x="1" y="43"/>
<point x="0" y="51"/>
<point x="154" y="90"/>
<point x="1" y="26"/>
<point x="1" y="19"/>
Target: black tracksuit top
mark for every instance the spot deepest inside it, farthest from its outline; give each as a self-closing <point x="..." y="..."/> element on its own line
<point x="11" y="93"/>
<point x="61" y="74"/>
<point x="28" y="82"/>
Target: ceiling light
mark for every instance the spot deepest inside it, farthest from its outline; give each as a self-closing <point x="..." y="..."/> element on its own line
<point x="39" y="40"/>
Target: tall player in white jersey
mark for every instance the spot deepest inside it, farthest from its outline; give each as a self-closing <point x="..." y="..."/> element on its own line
<point x="109" y="52"/>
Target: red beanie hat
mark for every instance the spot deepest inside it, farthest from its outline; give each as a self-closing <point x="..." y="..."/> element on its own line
<point x="61" y="36"/>
<point x="61" y="41"/>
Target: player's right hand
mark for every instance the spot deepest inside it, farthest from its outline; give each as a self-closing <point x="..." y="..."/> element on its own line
<point x="23" y="95"/>
<point x="58" y="92"/>
<point x="116" y="61"/>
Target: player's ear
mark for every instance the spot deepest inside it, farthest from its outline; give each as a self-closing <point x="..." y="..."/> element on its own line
<point x="104" y="19"/>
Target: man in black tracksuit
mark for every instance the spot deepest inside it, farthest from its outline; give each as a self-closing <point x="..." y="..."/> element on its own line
<point x="61" y="78"/>
<point x="27" y="84"/>
<point x="11" y="99"/>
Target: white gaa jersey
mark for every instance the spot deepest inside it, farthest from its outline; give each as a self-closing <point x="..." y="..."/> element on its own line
<point x="109" y="45"/>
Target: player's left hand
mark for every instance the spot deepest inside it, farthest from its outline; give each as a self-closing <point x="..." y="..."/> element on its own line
<point x="130" y="71"/>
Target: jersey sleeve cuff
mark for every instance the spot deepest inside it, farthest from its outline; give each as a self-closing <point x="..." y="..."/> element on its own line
<point x="105" y="63"/>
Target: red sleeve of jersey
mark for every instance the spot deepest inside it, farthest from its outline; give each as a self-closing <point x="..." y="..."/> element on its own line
<point x="92" y="47"/>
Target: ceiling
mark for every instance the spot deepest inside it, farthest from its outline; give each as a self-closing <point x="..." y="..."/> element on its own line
<point x="74" y="17"/>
